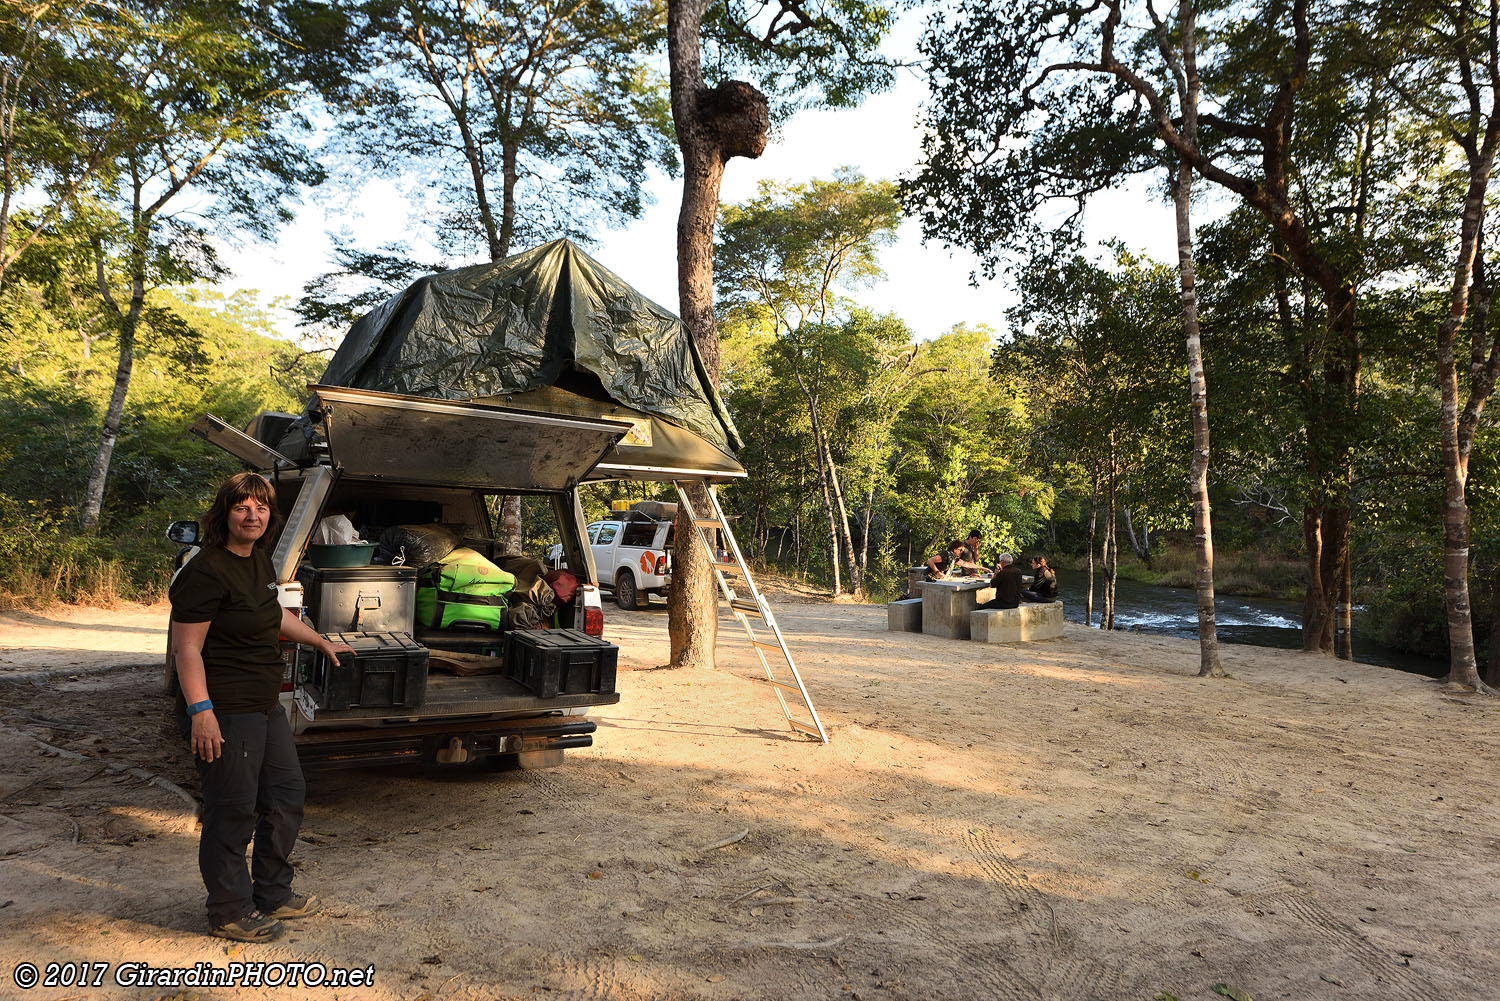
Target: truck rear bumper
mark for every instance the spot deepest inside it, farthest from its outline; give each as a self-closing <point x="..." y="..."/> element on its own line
<point x="447" y="743"/>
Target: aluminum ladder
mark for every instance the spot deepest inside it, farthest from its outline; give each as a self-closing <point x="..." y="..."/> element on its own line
<point x="755" y="604"/>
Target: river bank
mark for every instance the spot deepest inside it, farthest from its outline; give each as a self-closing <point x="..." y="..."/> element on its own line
<point x="1264" y="622"/>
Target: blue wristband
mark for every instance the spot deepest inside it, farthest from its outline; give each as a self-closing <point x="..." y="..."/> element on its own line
<point x="198" y="707"/>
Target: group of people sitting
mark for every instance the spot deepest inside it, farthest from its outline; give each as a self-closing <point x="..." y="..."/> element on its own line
<point x="962" y="555"/>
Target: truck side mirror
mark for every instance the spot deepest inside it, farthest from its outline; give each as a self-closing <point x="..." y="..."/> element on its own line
<point x="183" y="532"/>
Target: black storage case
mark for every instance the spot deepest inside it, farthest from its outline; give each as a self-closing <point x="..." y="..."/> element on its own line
<point x="550" y="662"/>
<point x="386" y="670"/>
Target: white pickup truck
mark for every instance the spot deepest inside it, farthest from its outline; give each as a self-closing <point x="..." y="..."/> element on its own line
<point x="632" y="552"/>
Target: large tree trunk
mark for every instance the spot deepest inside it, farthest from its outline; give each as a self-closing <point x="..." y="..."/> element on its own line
<point x="1331" y="417"/>
<point x="1458" y="424"/>
<point x="1182" y="193"/>
<point x="713" y="126"/>
<point x="1330" y="420"/>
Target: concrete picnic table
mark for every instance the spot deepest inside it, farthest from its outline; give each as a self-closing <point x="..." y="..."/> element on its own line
<point x="946" y="604"/>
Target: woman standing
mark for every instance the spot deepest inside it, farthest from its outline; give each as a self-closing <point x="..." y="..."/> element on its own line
<point x="225" y="627"/>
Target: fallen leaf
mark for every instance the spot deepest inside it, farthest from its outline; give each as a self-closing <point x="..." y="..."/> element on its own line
<point x="716" y="978"/>
<point x="1231" y="992"/>
<point x="1332" y="980"/>
<point x="1165" y="996"/>
<point x="596" y="874"/>
<point x="635" y="957"/>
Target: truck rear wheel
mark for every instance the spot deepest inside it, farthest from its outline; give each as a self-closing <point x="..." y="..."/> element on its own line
<point x="627" y="595"/>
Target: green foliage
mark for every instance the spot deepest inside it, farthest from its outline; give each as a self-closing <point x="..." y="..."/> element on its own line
<point x="523" y="122"/>
<point x="200" y="352"/>
<point x="816" y="53"/>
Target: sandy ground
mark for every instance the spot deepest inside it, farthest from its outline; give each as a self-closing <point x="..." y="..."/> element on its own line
<point x="1080" y="819"/>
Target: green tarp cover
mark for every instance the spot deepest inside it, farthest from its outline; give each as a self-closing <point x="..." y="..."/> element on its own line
<point x="552" y="316"/>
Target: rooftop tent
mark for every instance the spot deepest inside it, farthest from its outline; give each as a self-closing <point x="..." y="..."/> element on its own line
<point x="550" y="330"/>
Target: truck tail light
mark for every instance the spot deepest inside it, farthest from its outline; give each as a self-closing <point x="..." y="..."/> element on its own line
<point x="661" y="566"/>
<point x="593" y="621"/>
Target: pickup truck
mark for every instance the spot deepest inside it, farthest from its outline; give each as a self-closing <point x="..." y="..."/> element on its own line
<point x="632" y="553"/>
<point x="471" y="456"/>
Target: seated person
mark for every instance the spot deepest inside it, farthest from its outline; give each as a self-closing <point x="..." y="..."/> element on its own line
<point x="971" y="551"/>
<point x="1008" y="584"/>
<point x="943" y="563"/>
<point x="1043" y="581"/>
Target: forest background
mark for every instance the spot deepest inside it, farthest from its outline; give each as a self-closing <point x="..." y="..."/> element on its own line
<point x="139" y="139"/>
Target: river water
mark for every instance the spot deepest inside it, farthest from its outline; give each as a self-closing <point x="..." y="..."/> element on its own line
<point x="1173" y="611"/>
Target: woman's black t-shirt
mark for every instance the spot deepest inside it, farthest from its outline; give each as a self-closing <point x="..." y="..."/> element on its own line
<point x="236" y="595"/>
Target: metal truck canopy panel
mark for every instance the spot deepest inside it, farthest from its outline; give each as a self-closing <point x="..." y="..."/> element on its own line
<point x="384" y="436"/>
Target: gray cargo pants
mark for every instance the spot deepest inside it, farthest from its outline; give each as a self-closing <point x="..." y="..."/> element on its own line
<point x="255" y="788"/>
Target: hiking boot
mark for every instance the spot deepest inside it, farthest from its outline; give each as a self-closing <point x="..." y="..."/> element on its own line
<point x="297" y="906"/>
<point x="253" y="927"/>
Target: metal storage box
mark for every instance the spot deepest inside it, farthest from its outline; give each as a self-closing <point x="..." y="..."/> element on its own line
<point x="552" y="662"/>
<point x="370" y="599"/>
<point x="386" y="670"/>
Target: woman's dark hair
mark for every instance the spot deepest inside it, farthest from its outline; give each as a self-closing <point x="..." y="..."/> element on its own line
<point x="240" y="486"/>
<point x="1042" y="560"/>
<point x="955" y="544"/>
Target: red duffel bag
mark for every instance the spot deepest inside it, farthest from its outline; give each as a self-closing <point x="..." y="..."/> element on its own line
<point x="564" y="583"/>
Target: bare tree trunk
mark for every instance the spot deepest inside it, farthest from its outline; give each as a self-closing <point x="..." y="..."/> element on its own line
<point x="1182" y="193"/>
<point x="1141" y="548"/>
<point x="1494" y="651"/>
<point x="797" y="516"/>
<point x="1088" y="603"/>
<point x="93" y="497"/>
<point x="833" y="532"/>
<point x="856" y="579"/>
<point x="1111" y="547"/>
<point x="864" y="549"/>
<point x="128" y="321"/>
<point x="713" y="126"/>
<point x="825" y="477"/>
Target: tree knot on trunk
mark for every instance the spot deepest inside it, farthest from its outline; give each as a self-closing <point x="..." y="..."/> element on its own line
<point x="738" y="118"/>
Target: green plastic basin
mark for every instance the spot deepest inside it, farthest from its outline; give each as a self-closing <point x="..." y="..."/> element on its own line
<point x="355" y="555"/>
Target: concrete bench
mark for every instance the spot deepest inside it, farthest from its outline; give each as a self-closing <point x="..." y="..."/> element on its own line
<point x="1031" y="621"/>
<point x="904" y="616"/>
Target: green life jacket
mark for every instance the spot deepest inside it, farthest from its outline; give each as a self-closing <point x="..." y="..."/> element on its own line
<point x="463" y="589"/>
